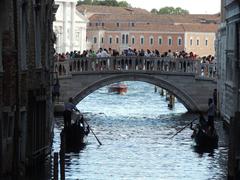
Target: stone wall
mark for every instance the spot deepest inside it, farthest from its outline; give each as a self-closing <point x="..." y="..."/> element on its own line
<point x="25" y="83"/>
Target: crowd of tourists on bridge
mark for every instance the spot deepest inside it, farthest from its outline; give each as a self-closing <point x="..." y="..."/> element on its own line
<point x="165" y="61"/>
<point x="103" y="52"/>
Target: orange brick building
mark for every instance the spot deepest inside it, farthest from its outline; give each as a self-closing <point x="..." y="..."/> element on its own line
<point x="120" y="28"/>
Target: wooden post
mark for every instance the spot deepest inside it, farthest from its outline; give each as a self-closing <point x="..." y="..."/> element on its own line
<point x="171" y="101"/>
<point x="55" y="170"/>
<point x="167" y="96"/>
<point x="62" y="158"/>
<point x="62" y="165"/>
<point x="162" y="92"/>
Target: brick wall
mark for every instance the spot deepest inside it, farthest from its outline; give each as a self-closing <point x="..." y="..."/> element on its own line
<point x="137" y="40"/>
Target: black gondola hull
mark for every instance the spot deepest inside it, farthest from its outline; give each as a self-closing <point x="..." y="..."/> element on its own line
<point x="73" y="138"/>
<point x="204" y="140"/>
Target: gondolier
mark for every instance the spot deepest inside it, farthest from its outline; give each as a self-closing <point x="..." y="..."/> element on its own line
<point x="211" y="114"/>
<point x="69" y="107"/>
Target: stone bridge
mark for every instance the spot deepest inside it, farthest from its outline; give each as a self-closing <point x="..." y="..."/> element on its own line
<point x="191" y="81"/>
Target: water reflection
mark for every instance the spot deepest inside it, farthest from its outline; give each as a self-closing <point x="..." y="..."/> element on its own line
<point x="135" y="130"/>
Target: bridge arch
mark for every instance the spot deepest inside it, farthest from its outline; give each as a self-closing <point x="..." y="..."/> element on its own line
<point x="180" y="93"/>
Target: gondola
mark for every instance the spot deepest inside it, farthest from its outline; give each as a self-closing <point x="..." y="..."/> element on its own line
<point x="73" y="138"/>
<point x="204" y="139"/>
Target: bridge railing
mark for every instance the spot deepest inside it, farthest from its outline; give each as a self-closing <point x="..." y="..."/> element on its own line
<point x="135" y="63"/>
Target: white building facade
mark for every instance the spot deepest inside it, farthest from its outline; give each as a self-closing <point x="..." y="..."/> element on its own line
<point x="69" y="27"/>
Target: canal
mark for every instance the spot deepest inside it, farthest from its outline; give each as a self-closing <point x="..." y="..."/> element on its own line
<point x="135" y="131"/>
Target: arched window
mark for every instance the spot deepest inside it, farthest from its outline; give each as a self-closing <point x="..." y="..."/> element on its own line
<point x="198" y="42"/>
<point x="133" y="40"/>
<point x="142" y="40"/>
<point x="170" y="41"/>
<point x="95" y="40"/>
<point x="179" y="41"/>
<point x="191" y="41"/>
<point x="151" y="40"/>
<point x="123" y="39"/>
<point x="117" y="39"/>
<point x="126" y="38"/>
<point x="206" y="42"/>
<point x="160" y="40"/>
<point x="110" y="39"/>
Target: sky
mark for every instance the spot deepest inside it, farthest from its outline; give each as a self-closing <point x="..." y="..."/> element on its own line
<point x="193" y="6"/>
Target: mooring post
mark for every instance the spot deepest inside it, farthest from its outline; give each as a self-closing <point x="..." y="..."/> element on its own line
<point x="167" y="96"/>
<point x="55" y="170"/>
<point x="162" y="92"/>
<point x="171" y="101"/>
<point x="62" y="159"/>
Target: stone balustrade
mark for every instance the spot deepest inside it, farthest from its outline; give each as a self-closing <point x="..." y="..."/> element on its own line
<point x="134" y="63"/>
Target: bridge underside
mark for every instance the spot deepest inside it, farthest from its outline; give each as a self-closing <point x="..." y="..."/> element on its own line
<point x="192" y="92"/>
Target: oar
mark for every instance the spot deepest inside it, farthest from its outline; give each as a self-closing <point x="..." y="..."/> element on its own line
<point x="184" y="127"/>
<point x="92" y="132"/>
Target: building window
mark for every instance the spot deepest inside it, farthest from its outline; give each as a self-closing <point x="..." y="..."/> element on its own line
<point x="96" y="24"/>
<point x="118" y="24"/>
<point x="191" y="42"/>
<point x="38" y="44"/>
<point x="102" y="40"/>
<point x="7" y="125"/>
<point x="142" y="40"/>
<point x="133" y="24"/>
<point x="160" y="41"/>
<point x="90" y="24"/>
<point x="77" y="36"/>
<point x="206" y="42"/>
<point x="110" y="40"/>
<point x="68" y="33"/>
<point x="179" y="41"/>
<point x="126" y="38"/>
<point x="151" y="40"/>
<point x="170" y="41"/>
<point x="123" y="39"/>
<point x="198" y="42"/>
<point x="24" y="29"/>
<point x="103" y="24"/>
<point x="229" y="68"/>
<point x="95" y="40"/>
<point x="133" y="40"/>
<point x="117" y="40"/>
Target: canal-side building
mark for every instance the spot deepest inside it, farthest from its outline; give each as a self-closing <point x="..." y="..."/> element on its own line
<point x="26" y="61"/>
<point x="70" y="27"/>
<point x="228" y="55"/>
<point x="121" y="28"/>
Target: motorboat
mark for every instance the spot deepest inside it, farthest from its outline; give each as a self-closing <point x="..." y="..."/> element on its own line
<point x="119" y="88"/>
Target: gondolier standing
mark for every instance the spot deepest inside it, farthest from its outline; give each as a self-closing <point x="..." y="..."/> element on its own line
<point x="211" y="113"/>
<point x="69" y="107"/>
